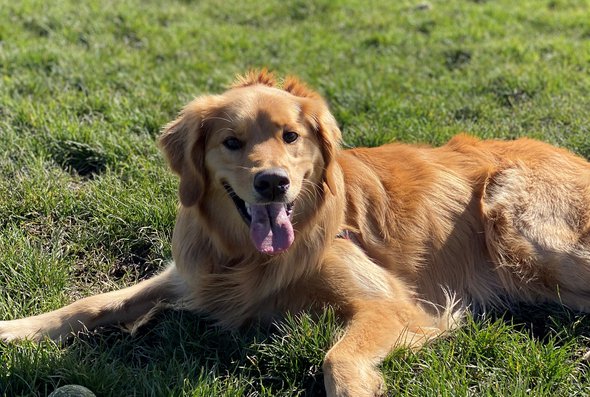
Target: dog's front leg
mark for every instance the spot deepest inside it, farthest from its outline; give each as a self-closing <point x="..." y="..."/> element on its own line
<point x="381" y="313"/>
<point x="124" y="306"/>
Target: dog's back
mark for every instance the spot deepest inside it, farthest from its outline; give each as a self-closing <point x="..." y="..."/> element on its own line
<point x="490" y="221"/>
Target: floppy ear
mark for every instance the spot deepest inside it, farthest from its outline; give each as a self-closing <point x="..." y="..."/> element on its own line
<point x="183" y="142"/>
<point x="329" y="136"/>
<point x="330" y="139"/>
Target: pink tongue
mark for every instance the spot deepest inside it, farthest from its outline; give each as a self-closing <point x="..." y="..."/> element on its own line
<point x="271" y="229"/>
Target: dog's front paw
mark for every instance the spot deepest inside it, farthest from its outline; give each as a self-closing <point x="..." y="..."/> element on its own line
<point x="7" y="332"/>
<point x="352" y="379"/>
<point x="15" y="330"/>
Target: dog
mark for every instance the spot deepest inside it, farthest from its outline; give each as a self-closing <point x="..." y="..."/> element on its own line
<point x="276" y="217"/>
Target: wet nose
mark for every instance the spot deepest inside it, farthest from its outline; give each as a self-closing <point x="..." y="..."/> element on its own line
<point x="272" y="184"/>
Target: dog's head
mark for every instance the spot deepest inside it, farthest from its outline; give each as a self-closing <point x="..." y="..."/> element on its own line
<point x="270" y="148"/>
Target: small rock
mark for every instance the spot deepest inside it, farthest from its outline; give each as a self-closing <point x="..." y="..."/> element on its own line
<point x="72" y="391"/>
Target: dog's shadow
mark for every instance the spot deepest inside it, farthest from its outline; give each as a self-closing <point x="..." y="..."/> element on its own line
<point x="180" y="353"/>
<point x="543" y="323"/>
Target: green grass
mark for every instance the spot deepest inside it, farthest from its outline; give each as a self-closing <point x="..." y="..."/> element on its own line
<point x="87" y="204"/>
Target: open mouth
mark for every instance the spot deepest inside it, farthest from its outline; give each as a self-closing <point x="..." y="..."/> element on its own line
<point x="270" y="224"/>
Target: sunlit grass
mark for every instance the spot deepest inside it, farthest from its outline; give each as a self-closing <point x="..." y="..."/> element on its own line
<point x="87" y="205"/>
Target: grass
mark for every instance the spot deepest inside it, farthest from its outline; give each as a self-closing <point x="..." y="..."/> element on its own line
<point x="87" y="205"/>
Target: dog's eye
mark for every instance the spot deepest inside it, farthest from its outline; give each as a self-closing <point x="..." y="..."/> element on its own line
<point x="233" y="143"/>
<point x="290" y="136"/>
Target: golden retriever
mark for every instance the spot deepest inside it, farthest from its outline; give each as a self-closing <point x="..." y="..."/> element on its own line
<point x="276" y="217"/>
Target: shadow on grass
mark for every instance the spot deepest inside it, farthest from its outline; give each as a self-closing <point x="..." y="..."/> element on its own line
<point x="543" y="322"/>
<point x="527" y="351"/>
<point x="177" y="353"/>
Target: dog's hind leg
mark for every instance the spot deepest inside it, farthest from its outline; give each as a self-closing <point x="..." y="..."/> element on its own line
<point x="538" y="232"/>
<point x="381" y="314"/>
<point x="126" y="306"/>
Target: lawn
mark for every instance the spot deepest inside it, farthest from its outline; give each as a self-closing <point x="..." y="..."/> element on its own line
<point x="87" y="203"/>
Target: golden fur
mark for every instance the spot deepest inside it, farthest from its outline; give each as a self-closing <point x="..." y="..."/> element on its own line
<point x="431" y="229"/>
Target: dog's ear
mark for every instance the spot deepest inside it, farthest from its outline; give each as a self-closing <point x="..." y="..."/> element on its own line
<point x="183" y="142"/>
<point x="328" y="134"/>
<point x="296" y="87"/>
<point x="330" y="139"/>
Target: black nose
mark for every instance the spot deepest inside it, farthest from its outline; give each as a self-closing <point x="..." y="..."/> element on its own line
<point x="272" y="184"/>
